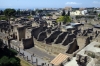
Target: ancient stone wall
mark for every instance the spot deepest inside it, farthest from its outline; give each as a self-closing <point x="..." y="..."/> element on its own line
<point x="15" y="32"/>
<point x="21" y="33"/>
<point x="42" y="36"/>
<point x="55" y="49"/>
<point x="60" y="38"/>
<point x="28" y="43"/>
<point x="81" y="41"/>
<point x="87" y="41"/>
<point x="73" y="46"/>
<point x="50" y="49"/>
<point x="27" y="34"/>
<point x="52" y="37"/>
<point x="82" y="60"/>
<point x="5" y="41"/>
<point x="35" y="32"/>
<point x="34" y="24"/>
<point x="68" y="39"/>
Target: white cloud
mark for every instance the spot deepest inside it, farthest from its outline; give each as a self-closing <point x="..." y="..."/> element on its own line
<point x="96" y="2"/>
<point x="72" y="3"/>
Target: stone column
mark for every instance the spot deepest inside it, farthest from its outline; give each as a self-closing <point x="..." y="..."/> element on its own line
<point x="52" y="64"/>
<point x="19" y="49"/>
<point x="23" y="54"/>
<point x="36" y="62"/>
<point x="9" y="43"/>
<point x="32" y="58"/>
<point x="15" y="48"/>
<point x="42" y="64"/>
<point x="45" y="64"/>
<point x="27" y="58"/>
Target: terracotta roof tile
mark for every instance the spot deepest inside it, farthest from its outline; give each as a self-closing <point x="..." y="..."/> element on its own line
<point x="59" y="59"/>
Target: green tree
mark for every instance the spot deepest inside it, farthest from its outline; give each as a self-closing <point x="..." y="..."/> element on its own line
<point x="14" y="62"/>
<point x="4" y="61"/>
<point x="64" y="19"/>
<point x="95" y="12"/>
<point x="8" y="57"/>
<point x="1" y="43"/>
<point x="60" y="19"/>
<point x="1" y="12"/>
<point x="29" y="17"/>
<point x="48" y="14"/>
<point x="9" y="13"/>
<point x="3" y="18"/>
<point x="68" y="13"/>
<point x="33" y="12"/>
<point x="63" y="13"/>
<point x="18" y="12"/>
<point x="38" y="11"/>
<point x="99" y="15"/>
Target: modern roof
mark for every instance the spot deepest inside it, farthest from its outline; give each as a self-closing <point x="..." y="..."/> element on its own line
<point x="67" y="27"/>
<point x="97" y="26"/>
<point x="73" y="24"/>
<point x="59" y="59"/>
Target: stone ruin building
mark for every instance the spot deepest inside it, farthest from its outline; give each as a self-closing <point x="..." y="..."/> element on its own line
<point x="16" y="33"/>
<point x="48" y="36"/>
<point x="54" y="41"/>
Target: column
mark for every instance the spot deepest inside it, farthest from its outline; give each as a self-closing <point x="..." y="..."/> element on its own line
<point x="32" y="59"/>
<point x="36" y="62"/>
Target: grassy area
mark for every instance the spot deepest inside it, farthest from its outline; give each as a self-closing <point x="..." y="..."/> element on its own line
<point x="24" y="63"/>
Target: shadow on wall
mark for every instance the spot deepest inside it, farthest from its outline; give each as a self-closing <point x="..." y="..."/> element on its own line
<point x="28" y="43"/>
<point x="21" y="33"/>
<point x="42" y="36"/>
<point x="72" y="47"/>
<point x="35" y="32"/>
<point x="52" y="37"/>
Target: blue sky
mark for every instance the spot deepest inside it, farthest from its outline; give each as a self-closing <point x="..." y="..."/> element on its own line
<point x="48" y="3"/>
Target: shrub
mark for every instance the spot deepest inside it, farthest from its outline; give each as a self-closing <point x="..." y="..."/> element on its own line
<point x="13" y="52"/>
<point x="6" y="61"/>
<point x="91" y="55"/>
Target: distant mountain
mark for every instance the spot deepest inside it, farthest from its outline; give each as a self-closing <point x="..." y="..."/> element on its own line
<point x="16" y="9"/>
